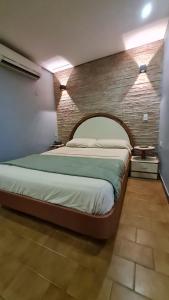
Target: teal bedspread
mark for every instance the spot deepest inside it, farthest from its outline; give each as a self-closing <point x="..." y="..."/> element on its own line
<point x="111" y="170"/>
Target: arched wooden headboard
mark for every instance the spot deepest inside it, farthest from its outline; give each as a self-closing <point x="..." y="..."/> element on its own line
<point x="102" y="126"/>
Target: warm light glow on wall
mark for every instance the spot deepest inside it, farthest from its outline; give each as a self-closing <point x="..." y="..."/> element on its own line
<point x="57" y="64"/>
<point x="144" y="59"/>
<point x="67" y="100"/>
<point x="145" y="35"/>
<point x="64" y="77"/>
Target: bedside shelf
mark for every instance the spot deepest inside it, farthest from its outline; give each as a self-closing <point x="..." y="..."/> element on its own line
<point x="144" y="168"/>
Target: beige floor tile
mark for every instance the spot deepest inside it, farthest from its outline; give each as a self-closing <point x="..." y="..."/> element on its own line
<point x="88" y="269"/>
<point x="97" y="265"/>
<point x="84" y="257"/>
<point x="138" y="253"/>
<point x="54" y="293"/>
<point x="26" y="226"/>
<point x="89" y="246"/>
<point x="106" y="252"/>
<point x="26" y="285"/>
<point x="122" y="271"/>
<point x="11" y="243"/>
<point x="9" y="267"/>
<point x="94" y="247"/>
<point x="145" y="187"/>
<point x="126" y="231"/>
<point x="86" y="252"/>
<point x="119" y="292"/>
<point x="159" y="213"/>
<point x="151" y="284"/>
<point x="161" y="261"/>
<point x="51" y="265"/>
<point x="155" y="225"/>
<point x="138" y="209"/>
<point x="116" y="249"/>
<point x="105" y="290"/>
<point x="132" y="198"/>
<point x="136" y="221"/>
<point x="153" y="240"/>
<point x="160" y="228"/>
<point x="162" y="207"/>
<point x="86" y="285"/>
<point x="60" y="242"/>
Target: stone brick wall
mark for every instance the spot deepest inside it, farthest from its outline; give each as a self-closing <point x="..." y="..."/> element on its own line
<point x="113" y="84"/>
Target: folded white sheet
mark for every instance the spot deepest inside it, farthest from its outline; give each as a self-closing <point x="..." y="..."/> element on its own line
<point x="121" y="154"/>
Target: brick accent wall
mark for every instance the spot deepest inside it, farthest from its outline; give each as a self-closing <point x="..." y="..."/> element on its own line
<point x="113" y="84"/>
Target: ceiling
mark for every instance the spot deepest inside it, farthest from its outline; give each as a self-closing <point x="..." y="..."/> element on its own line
<point x="57" y="34"/>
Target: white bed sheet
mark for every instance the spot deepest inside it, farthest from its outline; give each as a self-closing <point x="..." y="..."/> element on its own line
<point x="90" y="195"/>
<point x="122" y="154"/>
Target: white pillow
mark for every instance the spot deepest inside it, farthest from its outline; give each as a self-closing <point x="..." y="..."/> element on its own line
<point x="113" y="143"/>
<point x="81" y="143"/>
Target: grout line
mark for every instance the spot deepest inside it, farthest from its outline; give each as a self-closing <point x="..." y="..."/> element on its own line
<point x="45" y="247"/>
<point x="118" y="282"/>
<point x="124" y="286"/>
<point x="135" y="262"/>
<point x="136" y="234"/>
<point x="137" y="243"/>
<point x="134" y="277"/>
<point x="71" y="259"/>
<point x="157" y="272"/>
<point x="40" y="275"/>
<point x="35" y="242"/>
<point x="111" y="290"/>
<point x="153" y="260"/>
<point x="45" y="278"/>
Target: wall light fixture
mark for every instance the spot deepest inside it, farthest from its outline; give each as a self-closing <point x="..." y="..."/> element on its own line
<point x="62" y="87"/>
<point x="143" y="69"/>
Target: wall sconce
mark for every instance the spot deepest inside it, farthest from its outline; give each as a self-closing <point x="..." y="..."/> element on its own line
<point x="143" y="69"/>
<point x="62" y="87"/>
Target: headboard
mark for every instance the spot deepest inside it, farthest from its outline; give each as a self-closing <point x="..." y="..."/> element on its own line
<point x="101" y="126"/>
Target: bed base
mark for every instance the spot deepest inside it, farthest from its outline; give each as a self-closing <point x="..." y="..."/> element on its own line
<point x="96" y="226"/>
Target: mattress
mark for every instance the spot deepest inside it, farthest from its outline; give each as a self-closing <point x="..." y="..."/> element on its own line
<point x="90" y="195"/>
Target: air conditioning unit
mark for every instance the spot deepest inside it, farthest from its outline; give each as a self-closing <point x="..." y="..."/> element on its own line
<point x="19" y="63"/>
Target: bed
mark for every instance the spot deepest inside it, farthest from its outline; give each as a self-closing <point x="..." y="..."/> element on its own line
<point x="73" y="199"/>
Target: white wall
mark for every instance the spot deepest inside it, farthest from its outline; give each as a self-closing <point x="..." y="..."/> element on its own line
<point x="27" y="114"/>
<point x="164" y="118"/>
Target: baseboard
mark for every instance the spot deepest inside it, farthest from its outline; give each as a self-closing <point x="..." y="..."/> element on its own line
<point x="164" y="187"/>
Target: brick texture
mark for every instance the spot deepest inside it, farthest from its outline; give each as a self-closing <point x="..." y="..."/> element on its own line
<point x="113" y="84"/>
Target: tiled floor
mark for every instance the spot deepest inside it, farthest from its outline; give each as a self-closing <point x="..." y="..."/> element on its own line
<point x="39" y="261"/>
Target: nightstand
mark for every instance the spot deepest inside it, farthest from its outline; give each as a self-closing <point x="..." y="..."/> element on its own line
<point x="55" y="146"/>
<point x="144" y="168"/>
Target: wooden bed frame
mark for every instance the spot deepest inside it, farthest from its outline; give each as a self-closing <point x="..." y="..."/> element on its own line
<point x="96" y="226"/>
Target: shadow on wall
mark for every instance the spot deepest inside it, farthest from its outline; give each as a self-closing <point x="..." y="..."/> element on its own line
<point x="111" y="84"/>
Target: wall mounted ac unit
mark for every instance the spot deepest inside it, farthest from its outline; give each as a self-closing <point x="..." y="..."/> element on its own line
<point x="19" y="63"/>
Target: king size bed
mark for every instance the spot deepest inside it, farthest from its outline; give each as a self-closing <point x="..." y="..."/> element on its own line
<point x="80" y="186"/>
